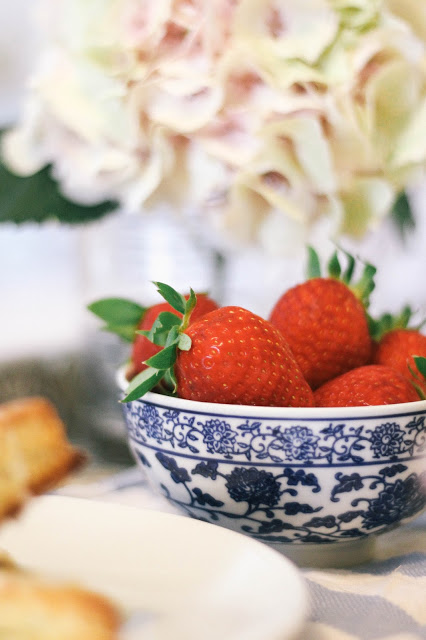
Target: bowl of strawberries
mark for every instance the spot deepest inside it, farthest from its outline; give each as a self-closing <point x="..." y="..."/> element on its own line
<point x="305" y="430"/>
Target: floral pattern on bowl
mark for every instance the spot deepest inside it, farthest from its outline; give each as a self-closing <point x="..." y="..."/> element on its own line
<point x="285" y="476"/>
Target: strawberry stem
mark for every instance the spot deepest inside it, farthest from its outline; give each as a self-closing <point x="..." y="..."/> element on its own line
<point x="168" y="331"/>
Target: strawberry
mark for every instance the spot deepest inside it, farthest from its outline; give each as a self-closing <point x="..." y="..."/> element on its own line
<point x="368" y="385"/>
<point x="324" y="320"/>
<point x="126" y="318"/>
<point x="143" y="348"/>
<point x="230" y="355"/>
<point x="396" y="344"/>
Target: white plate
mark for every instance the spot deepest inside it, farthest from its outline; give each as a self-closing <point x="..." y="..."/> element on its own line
<point x="204" y="581"/>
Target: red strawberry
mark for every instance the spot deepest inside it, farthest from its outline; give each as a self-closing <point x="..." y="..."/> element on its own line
<point x="237" y="357"/>
<point x="368" y="385"/>
<point x="143" y="348"/>
<point x="396" y="344"/>
<point x="230" y="355"/>
<point x="324" y="321"/>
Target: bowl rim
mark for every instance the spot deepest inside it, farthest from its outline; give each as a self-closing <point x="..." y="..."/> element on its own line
<point x="301" y="413"/>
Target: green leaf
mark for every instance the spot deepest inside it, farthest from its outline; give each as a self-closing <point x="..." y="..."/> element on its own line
<point x="170" y="295"/>
<point x="117" y="311"/>
<point x="120" y="315"/>
<point x="161" y="327"/>
<point x="402" y="215"/>
<point x="185" y="342"/>
<point x="421" y="365"/>
<point x="168" y="320"/>
<point x="334" y="268"/>
<point x="170" y="381"/>
<point x="388" y="322"/>
<point x="314" y="267"/>
<point x="349" y="271"/>
<point x="37" y="198"/>
<point x="142" y="383"/>
<point x="172" y="336"/>
<point x="164" y="359"/>
<point x="125" y="332"/>
<point x="365" y="286"/>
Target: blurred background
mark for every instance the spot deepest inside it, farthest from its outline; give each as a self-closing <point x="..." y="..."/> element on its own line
<point x="49" y="342"/>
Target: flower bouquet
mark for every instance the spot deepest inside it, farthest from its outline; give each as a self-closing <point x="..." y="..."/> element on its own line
<point x="267" y="120"/>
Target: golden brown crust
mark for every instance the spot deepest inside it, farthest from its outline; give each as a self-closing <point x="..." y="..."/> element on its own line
<point x="35" y="609"/>
<point x="35" y="453"/>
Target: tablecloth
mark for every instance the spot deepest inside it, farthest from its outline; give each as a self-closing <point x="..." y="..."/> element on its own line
<point x="384" y="599"/>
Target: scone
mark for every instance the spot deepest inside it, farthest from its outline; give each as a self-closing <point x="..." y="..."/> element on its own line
<point x="32" y="608"/>
<point x="35" y="453"/>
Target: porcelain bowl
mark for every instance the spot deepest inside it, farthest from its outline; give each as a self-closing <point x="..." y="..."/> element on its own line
<point x="318" y="484"/>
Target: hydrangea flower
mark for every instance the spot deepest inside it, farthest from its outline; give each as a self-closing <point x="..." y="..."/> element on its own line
<point x="267" y="117"/>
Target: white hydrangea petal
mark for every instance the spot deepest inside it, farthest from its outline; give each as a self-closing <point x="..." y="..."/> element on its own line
<point x="311" y="149"/>
<point x="183" y="112"/>
<point x="269" y="113"/>
<point x="242" y="213"/>
<point x="289" y="29"/>
<point x="23" y="148"/>
<point x="85" y="100"/>
<point x="208" y="178"/>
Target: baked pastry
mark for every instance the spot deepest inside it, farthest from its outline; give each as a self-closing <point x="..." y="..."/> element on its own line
<point x="35" y="453"/>
<point x="32" y="608"/>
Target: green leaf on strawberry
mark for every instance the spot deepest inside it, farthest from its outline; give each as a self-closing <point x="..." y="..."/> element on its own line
<point x="170" y="295"/>
<point x="121" y="316"/>
<point x="362" y="289"/>
<point x="314" y="266"/>
<point x="389" y="322"/>
<point x="167" y="332"/>
<point x="421" y="365"/>
<point x="419" y="375"/>
<point x="334" y="268"/>
<point x="161" y="328"/>
<point x="142" y="383"/>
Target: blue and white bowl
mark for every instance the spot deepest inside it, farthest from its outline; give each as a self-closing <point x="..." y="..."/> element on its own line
<point x="318" y="484"/>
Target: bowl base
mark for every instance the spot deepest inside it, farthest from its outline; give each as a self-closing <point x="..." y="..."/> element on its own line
<point x="339" y="555"/>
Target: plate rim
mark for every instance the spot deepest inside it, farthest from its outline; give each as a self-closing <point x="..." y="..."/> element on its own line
<point x="290" y="572"/>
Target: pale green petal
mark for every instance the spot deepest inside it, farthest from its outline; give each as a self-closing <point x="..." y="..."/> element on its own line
<point x="392" y="95"/>
<point x="358" y="14"/>
<point x="413" y="12"/>
<point x="410" y="148"/>
<point x="369" y="200"/>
